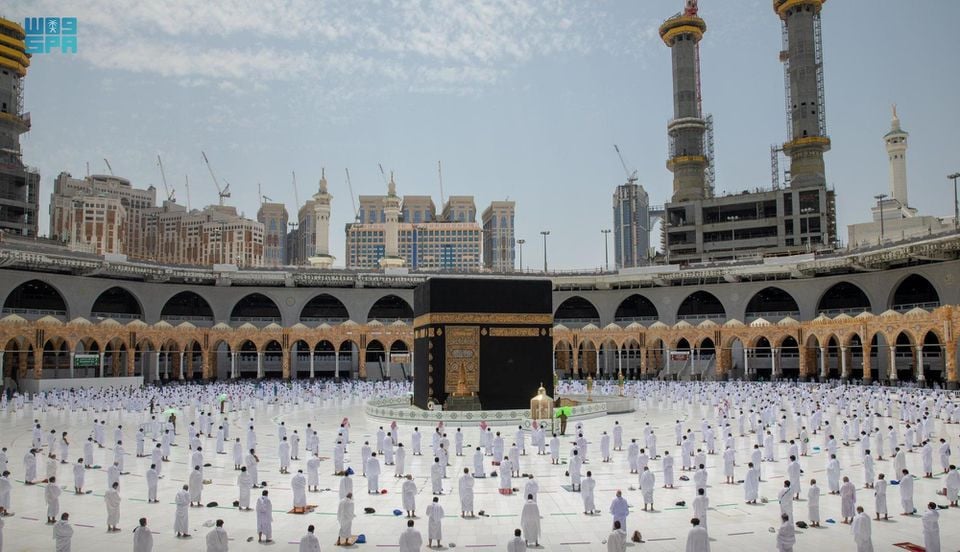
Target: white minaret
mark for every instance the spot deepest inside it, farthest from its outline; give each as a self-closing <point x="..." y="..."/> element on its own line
<point x="391" y="228"/>
<point x="896" y="141"/>
<point x="321" y="212"/>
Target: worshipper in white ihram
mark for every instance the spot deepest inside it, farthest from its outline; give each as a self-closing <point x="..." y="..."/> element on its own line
<point x="813" y="503"/>
<point x="180" y="520"/>
<point x="530" y="522"/>
<point x="587" y="487"/>
<point x="861" y="531"/>
<point x="906" y="493"/>
<point x="620" y="509"/>
<point x="264" y="518"/>
<point x="62" y="533"/>
<point x="409" y="496"/>
<point x="466" y="493"/>
<point x="217" y="539"/>
<point x="931" y="528"/>
<point x="434" y="528"/>
<point x="298" y="483"/>
<point x="345" y="517"/>
<point x="697" y="539"/>
<point x="112" y="499"/>
<point x="848" y="500"/>
<point x="142" y="537"/>
<point x="516" y="544"/>
<point x="880" y="496"/>
<point x="617" y="539"/>
<point x="309" y="542"/>
<point x="786" y="534"/>
<point x="410" y="540"/>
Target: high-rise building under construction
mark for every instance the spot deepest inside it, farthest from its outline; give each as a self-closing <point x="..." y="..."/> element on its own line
<point x="798" y="217"/>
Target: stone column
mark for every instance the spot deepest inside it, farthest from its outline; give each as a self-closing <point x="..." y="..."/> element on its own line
<point x="101" y="363"/>
<point x="950" y="365"/>
<point x="619" y="361"/>
<point x="311" y="364"/>
<point x="3" y="357"/>
<point x="180" y="366"/>
<point x="336" y="363"/>
<point x="131" y="362"/>
<point x="156" y="367"/>
<point x="844" y="374"/>
<point x="597" y="363"/>
<point x="576" y="362"/>
<point x="188" y="373"/>
<point x="746" y="362"/>
<point x="362" y="364"/>
<point x="643" y="361"/>
<point x="38" y="362"/>
<point x="867" y="364"/>
<point x="259" y="364"/>
<point x="823" y="363"/>
<point x="774" y="363"/>
<point x="893" y="363"/>
<point x="72" y="357"/>
<point x="920" y="376"/>
<point x="386" y="358"/>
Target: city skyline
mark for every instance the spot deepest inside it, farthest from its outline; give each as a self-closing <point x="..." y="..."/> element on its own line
<point x="495" y="100"/>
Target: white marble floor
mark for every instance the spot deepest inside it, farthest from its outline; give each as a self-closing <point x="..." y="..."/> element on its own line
<point x="733" y="524"/>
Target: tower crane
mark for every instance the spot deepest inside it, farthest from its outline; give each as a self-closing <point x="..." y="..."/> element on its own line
<point x="353" y="200"/>
<point x="224" y="192"/>
<point x="186" y="184"/>
<point x="631" y="176"/>
<point x="109" y="168"/>
<point x="166" y="189"/>
<point x="296" y="194"/>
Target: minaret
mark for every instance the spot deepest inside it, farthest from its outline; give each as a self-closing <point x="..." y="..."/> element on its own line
<point x="896" y="141"/>
<point x="321" y="212"/>
<point x="682" y="34"/>
<point x="391" y="228"/>
<point x="802" y="56"/>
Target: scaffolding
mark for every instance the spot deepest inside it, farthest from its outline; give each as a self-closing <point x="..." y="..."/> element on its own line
<point x="710" y="171"/>
<point x="775" y="166"/>
<point x="818" y="57"/>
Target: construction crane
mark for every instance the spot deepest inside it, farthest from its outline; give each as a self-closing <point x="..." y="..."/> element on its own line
<point x="166" y="189"/>
<point x="383" y="175"/>
<point x="186" y="185"/>
<point x="440" y="174"/>
<point x="631" y="176"/>
<point x="224" y="192"/>
<point x="109" y="168"/>
<point x="353" y="199"/>
<point x="296" y="194"/>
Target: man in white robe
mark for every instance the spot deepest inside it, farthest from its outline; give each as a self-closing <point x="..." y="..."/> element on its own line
<point x="786" y="534"/>
<point x="79" y="475"/>
<point x="434" y="525"/>
<point x="700" y="505"/>
<point x="112" y="500"/>
<point x="400" y="460"/>
<point x="62" y="533"/>
<point x="647" y="484"/>
<point x="217" y="539"/>
<point x="587" y="488"/>
<point x="530" y="522"/>
<point x="667" y="465"/>
<point x="617" y="540"/>
<point x="861" y="531"/>
<point x="409" y="495"/>
<point x="153" y="479"/>
<point x="465" y="487"/>
<point x="309" y="542"/>
<point x="264" y="518"/>
<point x="813" y="503"/>
<point x="516" y="544"/>
<point x="931" y="528"/>
<point x="244" y="484"/>
<point x="751" y="484"/>
<point x="142" y="537"/>
<point x="953" y="484"/>
<point x="313" y="473"/>
<point x="506" y="475"/>
<point x="372" y="470"/>
<point x="345" y="517"/>
<point x="436" y="476"/>
<point x="620" y="509"/>
<point x="298" y="484"/>
<point x="346" y="485"/>
<point x="574" y="469"/>
<point x="785" y="500"/>
<point x="697" y="538"/>
<point x="880" y="496"/>
<point x="906" y="493"/>
<point x="196" y="487"/>
<point x="52" y="496"/>
<point x="848" y="500"/>
<point x="410" y="540"/>
<point x="181" y="525"/>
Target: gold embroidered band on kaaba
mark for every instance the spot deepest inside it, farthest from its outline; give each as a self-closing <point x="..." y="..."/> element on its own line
<point x="481" y="318"/>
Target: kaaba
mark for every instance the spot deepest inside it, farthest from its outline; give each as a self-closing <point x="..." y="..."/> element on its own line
<point x="485" y="342"/>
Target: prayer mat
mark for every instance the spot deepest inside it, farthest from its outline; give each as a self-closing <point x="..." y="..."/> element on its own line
<point x="568" y="488"/>
<point x="349" y="541"/>
<point x="909" y="546"/>
<point x="505" y="492"/>
<point x="306" y="510"/>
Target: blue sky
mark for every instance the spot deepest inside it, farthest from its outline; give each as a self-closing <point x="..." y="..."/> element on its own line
<point x="520" y="99"/>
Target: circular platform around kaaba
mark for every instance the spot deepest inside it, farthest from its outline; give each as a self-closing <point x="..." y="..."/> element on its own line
<point x="403" y="412"/>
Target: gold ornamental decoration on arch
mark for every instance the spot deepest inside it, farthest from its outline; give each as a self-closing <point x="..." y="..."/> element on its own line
<point x="462" y="359"/>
